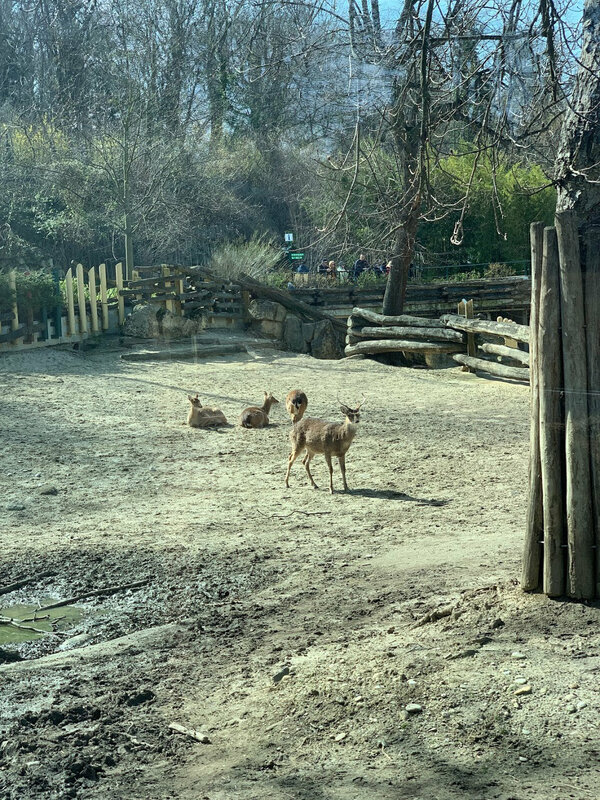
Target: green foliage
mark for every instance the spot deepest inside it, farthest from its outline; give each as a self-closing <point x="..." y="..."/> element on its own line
<point x="36" y="289"/>
<point x="368" y="279"/>
<point x="462" y="277"/>
<point x="257" y="258"/>
<point x="499" y="271"/>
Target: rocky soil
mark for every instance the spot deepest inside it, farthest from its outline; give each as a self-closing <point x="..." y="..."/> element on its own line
<point x="347" y="647"/>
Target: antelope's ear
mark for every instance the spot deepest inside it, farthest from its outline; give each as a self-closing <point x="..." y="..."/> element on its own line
<point x="345" y="410"/>
<point x="190" y="398"/>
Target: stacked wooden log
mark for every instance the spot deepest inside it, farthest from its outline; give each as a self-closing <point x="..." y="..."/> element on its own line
<point x="562" y="542"/>
<point x="370" y="333"/>
<point x="506" y="330"/>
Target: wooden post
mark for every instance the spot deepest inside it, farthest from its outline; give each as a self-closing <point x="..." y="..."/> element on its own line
<point x="551" y="419"/>
<point x="121" y="300"/>
<point x="465" y="309"/>
<point x="14" y="325"/>
<point x="531" y="570"/>
<point x="93" y="299"/>
<point x="70" y="301"/>
<point x="592" y="330"/>
<point x="58" y="332"/>
<point x="169" y="304"/>
<point x="580" y="534"/>
<point x="83" y="326"/>
<point x="103" y="296"/>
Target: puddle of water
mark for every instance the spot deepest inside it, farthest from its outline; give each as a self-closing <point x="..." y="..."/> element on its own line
<point x="55" y="619"/>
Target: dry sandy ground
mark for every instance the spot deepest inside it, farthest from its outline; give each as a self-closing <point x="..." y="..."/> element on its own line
<point x="281" y="623"/>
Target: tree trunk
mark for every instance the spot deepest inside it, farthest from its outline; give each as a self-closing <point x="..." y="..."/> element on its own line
<point x="578" y="159"/>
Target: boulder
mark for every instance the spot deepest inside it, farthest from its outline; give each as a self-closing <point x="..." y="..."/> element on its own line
<point x="267" y="309"/>
<point x="144" y="321"/>
<point x="308" y="331"/>
<point x="326" y="343"/>
<point x="176" y="327"/>
<point x="292" y="334"/>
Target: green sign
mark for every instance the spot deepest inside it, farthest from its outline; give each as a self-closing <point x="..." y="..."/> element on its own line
<point x="296" y="256"/>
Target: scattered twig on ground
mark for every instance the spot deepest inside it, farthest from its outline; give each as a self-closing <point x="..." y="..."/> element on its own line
<point x="192" y="734"/>
<point x="139" y="742"/>
<point x="95" y="593"/>
<point x="11" y="587"/>
<point x="10" y="621"/>
<point x="296" y="511"/>
<point x="433" y="616"/>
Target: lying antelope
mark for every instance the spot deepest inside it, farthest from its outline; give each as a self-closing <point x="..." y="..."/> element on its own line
<point x="330" y="438"/>
<point x="203" y="416"/>
<point x="255" y="417"/>
<point x="296" y="403"/>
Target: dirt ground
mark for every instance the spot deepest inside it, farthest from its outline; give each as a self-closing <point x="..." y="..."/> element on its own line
<point x="281" y="624"/>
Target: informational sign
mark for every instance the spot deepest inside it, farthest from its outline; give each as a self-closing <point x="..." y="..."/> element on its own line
<point x="296" y="256"/>
<point x="288" y="237"/>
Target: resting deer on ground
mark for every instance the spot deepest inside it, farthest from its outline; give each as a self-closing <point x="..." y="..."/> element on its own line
<point x="203" y="416"/>
<point x="255" y="417"/>
<point x="296" y="403"/>
<point x="329" y="438"/>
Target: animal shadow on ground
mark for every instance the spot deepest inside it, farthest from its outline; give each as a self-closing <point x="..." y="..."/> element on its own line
<point x="392" y="494"/>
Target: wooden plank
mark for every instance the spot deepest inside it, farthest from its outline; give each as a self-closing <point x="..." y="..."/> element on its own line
<point x="402" y="319"/>
<point x="518" y="332"/>
<point x="14" y="334"/>
<point x="400" y="346"/>
<point x="592" y="328"/>
<point x="507" y="352"/>
<point x="121" y="301"/>
<point x="83" y="326"/>
<point x="93" y="299"/>
<point x="465" y="309"/>
<point x="58" y="329"/>
<point x="70" y="302"/>
<point x="550" y="379"/>
<point x="103" y="296"/>
<point x="394" y="332"/>
<point x="581" y="581"/>
<point x="534" y="526"/>
<point x="493" y="368"/>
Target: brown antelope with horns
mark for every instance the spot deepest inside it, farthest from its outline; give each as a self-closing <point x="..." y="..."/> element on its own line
<point x="329" y="438"/>
<point x="258" y="417"/>
<point x="296" y="403"/>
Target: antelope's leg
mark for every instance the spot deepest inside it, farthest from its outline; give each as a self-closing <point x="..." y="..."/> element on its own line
<point x="293" y="456"/>
<point x="342" y="460"/>
<point x="330" y="468"/>
<point x="307" y="466"/>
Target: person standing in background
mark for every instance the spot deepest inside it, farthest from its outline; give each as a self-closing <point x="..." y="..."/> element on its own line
<point x="360" y="265"/>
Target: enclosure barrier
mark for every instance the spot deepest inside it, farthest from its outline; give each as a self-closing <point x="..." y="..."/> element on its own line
<point x="86" y="311"/>
<point x="563" y="525"/>
<point x="182" y="292"/>
<point x="369" y="333"/>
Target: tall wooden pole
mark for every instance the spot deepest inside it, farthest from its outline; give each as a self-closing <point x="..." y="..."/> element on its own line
<point x="580" y="532"/>
<point x="592" y="331"/>
<point x="551" y="419"/>
<point x="530" y="574"/>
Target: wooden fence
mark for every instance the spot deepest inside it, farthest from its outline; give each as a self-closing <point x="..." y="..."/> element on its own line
<point x="184" y="293"/>
<point x="87" y="311"/>
<point x="562" y="543"/>
<point x="458" y="335"/>
<point x="492" y="296"/>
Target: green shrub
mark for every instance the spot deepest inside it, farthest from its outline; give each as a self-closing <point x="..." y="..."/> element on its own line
<point x="461" y="277"/>
<point x="36" y="289"/>
<point x="257" y="258"/>
<point x="499" y="271"/>
<point x="368" y="279"/>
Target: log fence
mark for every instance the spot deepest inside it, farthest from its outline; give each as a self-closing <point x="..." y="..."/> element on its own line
<point x="562" y="538"/>
<point x="455" y="335"/>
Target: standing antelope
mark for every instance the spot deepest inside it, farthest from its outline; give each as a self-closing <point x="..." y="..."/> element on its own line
<point x="203" y="416"/>
<point x="255" y="417"/>
<point x="296" y="403"/>
<point x="330" y="438"/>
